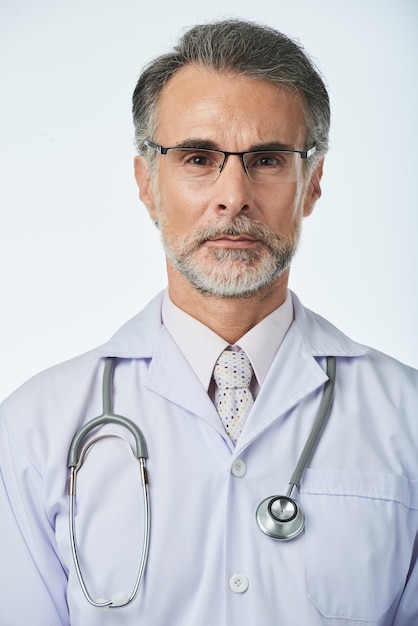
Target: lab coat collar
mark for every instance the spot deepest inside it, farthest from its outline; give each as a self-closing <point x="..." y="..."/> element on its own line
<point x="309" y="337"/>
<point x="321" y="337"/>
<point x="138" y="338"/>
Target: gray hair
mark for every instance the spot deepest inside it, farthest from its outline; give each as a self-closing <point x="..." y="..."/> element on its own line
<point x="241" y="48"/>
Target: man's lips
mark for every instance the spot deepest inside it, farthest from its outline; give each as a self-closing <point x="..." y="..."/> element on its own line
<point x="232" y="241"/>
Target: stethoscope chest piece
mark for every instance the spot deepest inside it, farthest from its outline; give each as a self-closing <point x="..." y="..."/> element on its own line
<point x="280" y="517"/>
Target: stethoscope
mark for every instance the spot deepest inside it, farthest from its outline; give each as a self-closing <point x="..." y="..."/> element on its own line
<point x="279" y="517"/>
<point x="75" y="460"/>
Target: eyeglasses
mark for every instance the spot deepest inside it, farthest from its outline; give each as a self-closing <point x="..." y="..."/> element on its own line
<point x="205" y="166"/>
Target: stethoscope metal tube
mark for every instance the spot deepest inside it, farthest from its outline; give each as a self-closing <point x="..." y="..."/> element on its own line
<point x="75" y="460"/>
<point x="281" y="517"/>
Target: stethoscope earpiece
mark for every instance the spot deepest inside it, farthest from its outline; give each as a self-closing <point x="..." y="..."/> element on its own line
<point x="280" y="517"/>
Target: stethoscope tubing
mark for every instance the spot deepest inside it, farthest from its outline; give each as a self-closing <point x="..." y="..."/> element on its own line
<point x="107" y="417"/>
<point x="76" y="457"/>
<point x="312" y="440"/>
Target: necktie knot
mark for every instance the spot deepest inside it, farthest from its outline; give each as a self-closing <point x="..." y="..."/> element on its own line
<point x="233" y="370"/>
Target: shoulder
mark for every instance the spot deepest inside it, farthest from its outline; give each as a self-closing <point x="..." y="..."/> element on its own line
<point x="365" y="364"/>
<point x="59" y="384"/>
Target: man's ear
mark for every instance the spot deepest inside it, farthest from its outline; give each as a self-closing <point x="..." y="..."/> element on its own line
<point x="313" y="192"/>
<point x="144" y="182"/>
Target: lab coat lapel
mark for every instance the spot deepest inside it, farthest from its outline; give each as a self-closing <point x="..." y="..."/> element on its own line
<point x="298" y="368"/>
<point x="171" y="376"/>
<point x="293" y="375"/>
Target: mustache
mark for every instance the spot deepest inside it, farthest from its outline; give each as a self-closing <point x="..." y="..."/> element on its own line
<point x="239" y="226"/>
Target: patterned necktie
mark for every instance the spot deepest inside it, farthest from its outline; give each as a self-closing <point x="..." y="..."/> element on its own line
<point x="232" y="374"/>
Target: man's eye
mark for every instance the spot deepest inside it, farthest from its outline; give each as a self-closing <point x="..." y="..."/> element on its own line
<point x="271" y="160"/>
<point x="194" y="159"/>
<point x="268" y="160"/>
<point x="198" y="159"/>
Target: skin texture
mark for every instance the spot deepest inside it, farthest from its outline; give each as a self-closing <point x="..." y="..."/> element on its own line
<point x="232" y="113"/>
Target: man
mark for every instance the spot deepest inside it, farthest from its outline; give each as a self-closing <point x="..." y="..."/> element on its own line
<point x="232" y="131"/>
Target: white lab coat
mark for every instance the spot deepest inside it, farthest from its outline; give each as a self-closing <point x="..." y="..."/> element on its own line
<point x="209" y="564"/>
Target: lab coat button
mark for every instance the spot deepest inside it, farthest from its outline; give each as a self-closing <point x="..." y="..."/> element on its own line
<point x="239" y="469"/>
<point x="238" y="583"/>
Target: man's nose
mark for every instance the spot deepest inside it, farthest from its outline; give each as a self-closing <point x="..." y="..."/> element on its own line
<point x="233" y="189"/>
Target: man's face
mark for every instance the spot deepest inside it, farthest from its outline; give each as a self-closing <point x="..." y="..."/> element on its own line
<point x="231" y="237"/>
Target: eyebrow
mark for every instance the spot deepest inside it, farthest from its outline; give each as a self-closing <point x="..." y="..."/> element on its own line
<point x="202" y="144"/>
<point x="271" y="145"/>
<point x="206" y="144"/>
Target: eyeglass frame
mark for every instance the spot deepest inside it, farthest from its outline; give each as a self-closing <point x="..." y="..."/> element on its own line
<point x="304" y="154"/>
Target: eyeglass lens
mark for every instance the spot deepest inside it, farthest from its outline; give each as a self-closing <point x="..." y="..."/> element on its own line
<point x="261" y="167"/>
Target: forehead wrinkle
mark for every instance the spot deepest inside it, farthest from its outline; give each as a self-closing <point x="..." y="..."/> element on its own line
<point x="237" y="132"/>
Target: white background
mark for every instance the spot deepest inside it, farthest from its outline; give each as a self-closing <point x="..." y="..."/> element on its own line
<point x="78" y="254"/>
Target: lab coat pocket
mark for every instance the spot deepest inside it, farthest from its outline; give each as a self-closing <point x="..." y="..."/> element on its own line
<point x="359" y="540"/>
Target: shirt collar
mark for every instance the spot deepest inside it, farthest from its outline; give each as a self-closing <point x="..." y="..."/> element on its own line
<point x="138" y="337"/>
<point x="202" y="347"/>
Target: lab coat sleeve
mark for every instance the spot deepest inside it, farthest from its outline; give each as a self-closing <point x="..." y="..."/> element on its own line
<point x="32" y="580"/>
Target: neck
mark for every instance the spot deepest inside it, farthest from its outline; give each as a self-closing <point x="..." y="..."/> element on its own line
<point x="230" y="318"/>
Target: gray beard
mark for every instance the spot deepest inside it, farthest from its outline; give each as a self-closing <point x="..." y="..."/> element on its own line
<point x="236" y="273"/>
